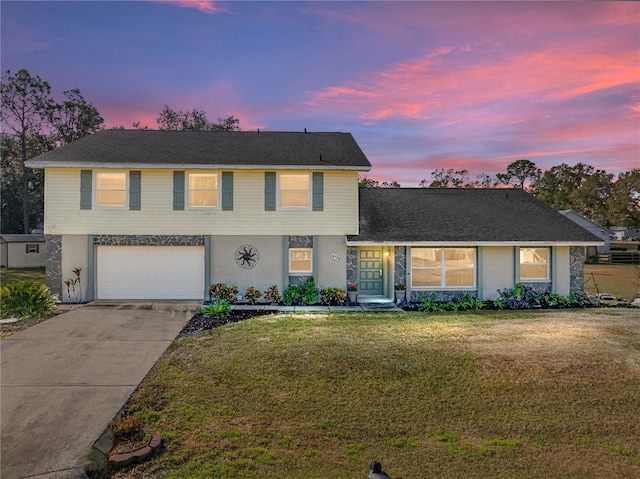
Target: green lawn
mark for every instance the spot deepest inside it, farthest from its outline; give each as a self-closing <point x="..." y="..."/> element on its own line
<point x="485" y="395"/>
<point x="11" y="275"/>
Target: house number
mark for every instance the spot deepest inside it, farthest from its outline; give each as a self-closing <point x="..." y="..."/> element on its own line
<point x="335" y="257"/>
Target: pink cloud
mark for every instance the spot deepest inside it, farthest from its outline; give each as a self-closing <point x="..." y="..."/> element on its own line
<point x="206" y="6"/>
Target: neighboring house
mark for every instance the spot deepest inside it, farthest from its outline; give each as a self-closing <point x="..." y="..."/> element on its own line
<point x="22" y="251"/>
<point x="619" y="233"/>
<point x="600" y="231"/>
<point x="163" y="214"/>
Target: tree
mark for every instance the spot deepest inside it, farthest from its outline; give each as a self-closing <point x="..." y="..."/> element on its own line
<point x="11" y="197"/>
<point x="623" y="204"/>
<point x="74" y="118"/>
<point x="24" y="105"/>
<point x="557" y="186"/>
<point x="521" y="170"/>
<point x="194" y="120"/>
<point x="364" y="182"/>
<point x="447" y="179"/>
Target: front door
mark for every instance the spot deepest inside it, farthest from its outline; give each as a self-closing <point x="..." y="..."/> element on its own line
<point x="370" y="271"/>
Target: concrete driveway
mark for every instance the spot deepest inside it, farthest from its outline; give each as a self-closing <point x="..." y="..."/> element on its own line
<point x="64" y="379"/>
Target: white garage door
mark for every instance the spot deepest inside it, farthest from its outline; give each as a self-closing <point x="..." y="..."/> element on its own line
<point x="150" y="272"/>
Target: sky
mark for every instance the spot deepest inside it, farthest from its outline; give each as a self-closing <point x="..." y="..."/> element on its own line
<point x="420" y="85"/>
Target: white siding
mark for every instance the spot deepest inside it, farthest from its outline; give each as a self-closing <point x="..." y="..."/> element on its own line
<point x="64" y="216"/>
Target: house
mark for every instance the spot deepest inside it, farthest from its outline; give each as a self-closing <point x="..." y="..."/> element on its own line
<point x="601" y="232"/>
<point x="22" y="250"/>
<point x="163" y="214"/>
<point x="619" y="233"/>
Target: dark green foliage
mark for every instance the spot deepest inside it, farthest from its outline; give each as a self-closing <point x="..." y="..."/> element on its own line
<point x="332" y="296"/>
<point x="292" y="295"/>
<point x="309" y="292"/>
<point x="26" y="299"/>
<point x="222" y="292"/>
<point x="217" y="309"/>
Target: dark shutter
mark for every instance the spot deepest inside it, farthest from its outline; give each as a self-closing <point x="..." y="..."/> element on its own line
<point x="269" y="191"/>
<point x="318" y="191"/>
<point x="178" y="190"/>
<point x="134" y="190"/>
<point x="227" y="191"/>
<point x="86" y="183"/>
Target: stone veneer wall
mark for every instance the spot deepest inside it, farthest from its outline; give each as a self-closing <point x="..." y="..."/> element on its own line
<point x="352" y="265"/>
<point x="299" y="242"/>
<point x="53" y="264"/>
<point x="440" y="295"/>
<point x="148" y="240"/>
<point x="577" y="259"/>
<point x="539" y="287"/>
<point x="400" y="265"/>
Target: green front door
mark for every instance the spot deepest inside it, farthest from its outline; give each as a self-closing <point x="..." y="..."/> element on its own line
<point x="370" y="271"/>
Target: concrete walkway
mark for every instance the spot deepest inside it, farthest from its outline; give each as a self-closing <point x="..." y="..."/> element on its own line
<point x="63" y="380"/>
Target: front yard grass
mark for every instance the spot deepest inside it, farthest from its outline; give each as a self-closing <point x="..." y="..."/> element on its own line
<point x="13" y="275"/>
<point x="617" y="279"/>
<point x="493" y="394"/>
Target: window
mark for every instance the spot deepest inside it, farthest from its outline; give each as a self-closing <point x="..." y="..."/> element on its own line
<point x="443" y="268"/>
<point x="300" y="261"/>
<point x="294" y="190"/>
<point x="32" y="248"/>
<point x="111" y="190"/>
<point x="203" y="190"/>
<point x="534" y="264"/>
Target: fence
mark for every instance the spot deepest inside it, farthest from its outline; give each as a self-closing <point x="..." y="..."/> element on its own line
<point x="629" y="257"/>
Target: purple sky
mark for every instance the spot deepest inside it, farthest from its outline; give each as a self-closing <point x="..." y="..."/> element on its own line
<point x="420" y="85"/>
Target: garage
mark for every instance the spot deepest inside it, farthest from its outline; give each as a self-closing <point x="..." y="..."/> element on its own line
<point x="150" y="272"/>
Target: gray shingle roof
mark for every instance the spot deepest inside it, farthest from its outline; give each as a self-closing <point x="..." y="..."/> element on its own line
<point x="153" y="148"/>
<point x="436" y="215"/>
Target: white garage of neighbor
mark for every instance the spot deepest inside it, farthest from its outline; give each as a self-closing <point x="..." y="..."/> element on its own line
<point x="150" y="272"/>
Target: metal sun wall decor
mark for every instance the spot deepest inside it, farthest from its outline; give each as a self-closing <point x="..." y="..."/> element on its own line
<point x="247" y="256"/>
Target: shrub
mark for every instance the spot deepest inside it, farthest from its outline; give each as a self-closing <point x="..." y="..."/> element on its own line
<point x="217" y="309"/>
<point x="26" y="299"/>
<point x="222" y="292"/>
<point x="309" y="292"/>
<point x="252" y="295"/>
<point x="333" y="296"/>
<point x="292" y="295"/>
<point x="272" y="294"/>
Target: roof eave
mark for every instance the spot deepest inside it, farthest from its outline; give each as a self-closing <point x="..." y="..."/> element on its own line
<point x="187" y="166"/>
<point x="473" y="243"/>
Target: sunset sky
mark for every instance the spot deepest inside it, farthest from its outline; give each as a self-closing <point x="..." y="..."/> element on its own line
<point x="420" y="85"/>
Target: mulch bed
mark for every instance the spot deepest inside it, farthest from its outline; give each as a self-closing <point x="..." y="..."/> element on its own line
<point x="199" y="323"/>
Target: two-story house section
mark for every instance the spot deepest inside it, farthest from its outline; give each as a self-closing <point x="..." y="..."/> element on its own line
<point x="163" y="214"/>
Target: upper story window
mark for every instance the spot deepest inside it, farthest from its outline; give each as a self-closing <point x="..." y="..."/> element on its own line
<point x="203" y="190"/>
<point x="293" y="190"/>
<point x="534" y="264"/>
<point x="443" y="268"/>
<point x="111" y="189"/>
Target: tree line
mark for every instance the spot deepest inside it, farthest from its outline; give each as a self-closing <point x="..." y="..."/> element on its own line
<point x="594" y="193"/>
<point x="34" y="123"/>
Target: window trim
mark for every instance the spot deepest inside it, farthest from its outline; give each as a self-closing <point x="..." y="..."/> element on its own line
<point x="29" y="246"/>
<point x="534" y="280"/>
<point x="309" y="192"/>
<point x="299" y="272"/>
<point x="187" y="190"/>
<point x="443" y="270"/>
<point x="95" y="190"/>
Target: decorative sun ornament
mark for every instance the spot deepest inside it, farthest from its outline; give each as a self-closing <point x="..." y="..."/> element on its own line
<point x="247" y="256"/>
